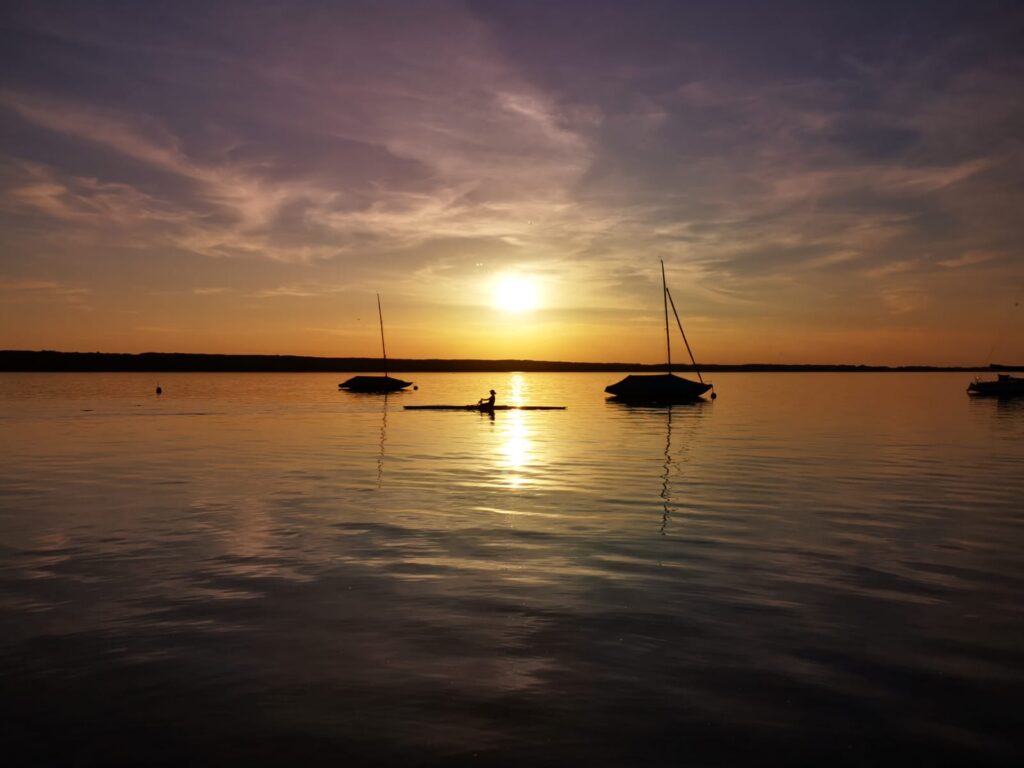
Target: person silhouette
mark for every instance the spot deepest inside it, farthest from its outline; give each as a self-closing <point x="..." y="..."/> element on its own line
<point x="487" y="402"/>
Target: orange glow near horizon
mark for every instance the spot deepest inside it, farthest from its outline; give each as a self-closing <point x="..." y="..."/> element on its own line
<point x="298" y="326"/>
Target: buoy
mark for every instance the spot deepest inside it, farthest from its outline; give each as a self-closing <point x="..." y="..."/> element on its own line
<point x="159" y="391"/>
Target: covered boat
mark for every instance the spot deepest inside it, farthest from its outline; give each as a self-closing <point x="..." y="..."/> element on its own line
<point x="380" y="384"/>
<point x="1004" y="386"/>
<point x="374" y="384"/>
<point x="657" y="388"/>
<point x="663" y="388"/>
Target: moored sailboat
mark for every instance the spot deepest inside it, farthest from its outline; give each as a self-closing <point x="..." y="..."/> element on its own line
<point x="379" y="384"/>
<point x="1005" y="385"/>
<point x="666" y="388"/>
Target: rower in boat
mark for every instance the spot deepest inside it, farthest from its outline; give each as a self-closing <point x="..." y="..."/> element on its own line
<point x="485" y="405"/>
<point x="484" y="408"/>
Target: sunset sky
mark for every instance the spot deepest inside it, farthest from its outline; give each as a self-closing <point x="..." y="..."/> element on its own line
<point x="825" y="184"/>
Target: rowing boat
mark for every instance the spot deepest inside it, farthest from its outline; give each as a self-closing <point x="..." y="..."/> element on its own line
<point x="485" y="408"/>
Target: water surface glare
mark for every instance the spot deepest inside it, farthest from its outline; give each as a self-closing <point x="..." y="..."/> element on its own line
<point x="259" y="569"/>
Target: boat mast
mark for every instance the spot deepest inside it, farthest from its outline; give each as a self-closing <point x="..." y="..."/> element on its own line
<point x="681" y="331"/>
<point x="383" y="349"/>
<point x="664" y="298"/>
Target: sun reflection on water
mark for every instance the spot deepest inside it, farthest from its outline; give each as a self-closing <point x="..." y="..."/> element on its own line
<point x="517" y="389"/>
<point x="516" y="453"/>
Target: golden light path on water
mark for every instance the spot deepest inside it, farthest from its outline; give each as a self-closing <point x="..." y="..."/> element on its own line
<point x="516" y="449"/>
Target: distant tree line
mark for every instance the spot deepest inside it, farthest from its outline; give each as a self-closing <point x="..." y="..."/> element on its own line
<point x="159" y="362"/>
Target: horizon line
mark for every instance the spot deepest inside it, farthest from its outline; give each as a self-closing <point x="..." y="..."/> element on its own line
<point x="53" y="360"/>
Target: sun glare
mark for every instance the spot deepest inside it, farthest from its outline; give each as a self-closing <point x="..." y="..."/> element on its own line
<point x="516" y="294"/>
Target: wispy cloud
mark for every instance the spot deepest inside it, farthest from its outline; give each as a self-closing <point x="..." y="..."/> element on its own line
<point x="14" y="289"/>
<point x="286" y="291"/>
<point x="83" y="201"/>
<point x="480" y="156"/>
<point x="904" y="299"/>
<point x="969" y="259"/>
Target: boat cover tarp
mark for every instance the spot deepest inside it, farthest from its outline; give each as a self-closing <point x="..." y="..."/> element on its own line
<point x="374" y="384"/>
<point x="657" y="388"/>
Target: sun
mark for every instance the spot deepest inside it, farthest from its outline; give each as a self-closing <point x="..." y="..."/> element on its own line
<point x="513" y="293"/>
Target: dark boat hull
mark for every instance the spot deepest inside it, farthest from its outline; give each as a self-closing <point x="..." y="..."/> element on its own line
<point x="374" y="384"/>
<point x="664" y="388"/>
<point x="1004" y="386"/>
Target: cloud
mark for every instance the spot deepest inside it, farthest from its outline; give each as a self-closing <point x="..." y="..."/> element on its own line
<point x="490" y="153"/>
<point x="15" y="289"/>
<point x="898" y="267"/>
<point x="905" y="299"/>
<point x="81" y="200"/>
<point x="969" y="259"/>
<point x="286" y="290"/>
<point x="158" y="148"/>
<point x="238" y="191"/>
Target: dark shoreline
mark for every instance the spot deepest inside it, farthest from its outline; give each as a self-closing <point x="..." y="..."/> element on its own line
<point x="167" y="362"/>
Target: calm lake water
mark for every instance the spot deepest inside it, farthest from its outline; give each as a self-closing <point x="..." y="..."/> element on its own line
<point x="260" y="569"/>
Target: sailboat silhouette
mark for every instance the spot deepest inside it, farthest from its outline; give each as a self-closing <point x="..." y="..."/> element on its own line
<point x="663" y="389"/>
<point x="383" y="383"/>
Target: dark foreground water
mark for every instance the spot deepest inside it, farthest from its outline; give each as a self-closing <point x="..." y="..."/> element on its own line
<point x="258" y="569"/>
